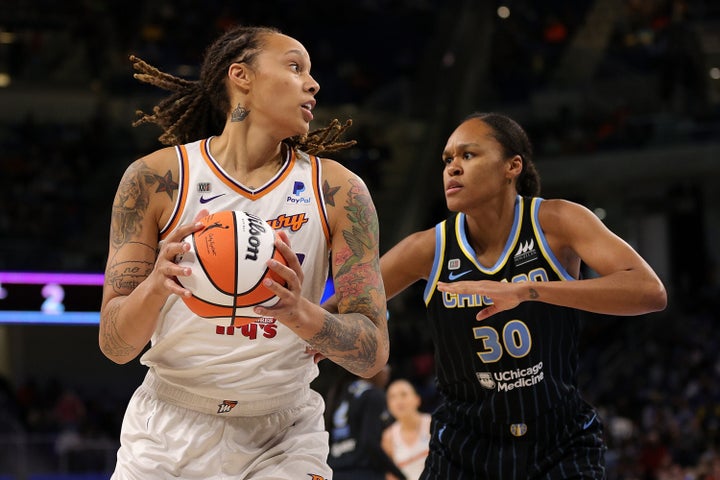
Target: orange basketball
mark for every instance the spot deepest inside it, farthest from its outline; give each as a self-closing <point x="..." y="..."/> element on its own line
<point x="228" y="259"/>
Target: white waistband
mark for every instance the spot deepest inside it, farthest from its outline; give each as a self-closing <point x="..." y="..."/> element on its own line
<point x="228" y="407"/>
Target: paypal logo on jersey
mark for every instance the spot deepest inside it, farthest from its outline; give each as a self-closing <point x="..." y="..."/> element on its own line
<point x="298" y="188"/>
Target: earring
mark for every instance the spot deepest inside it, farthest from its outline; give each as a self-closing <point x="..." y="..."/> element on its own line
<point x="239" y="114"/>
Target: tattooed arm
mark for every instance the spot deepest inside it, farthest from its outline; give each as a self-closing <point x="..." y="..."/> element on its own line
<point x="356" y="337"/>
<point x="139" y="275"/>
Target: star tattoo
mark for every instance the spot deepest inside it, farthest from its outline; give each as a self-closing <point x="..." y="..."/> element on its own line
<point x="166" y="184"/>
<point x="329" y="193"/>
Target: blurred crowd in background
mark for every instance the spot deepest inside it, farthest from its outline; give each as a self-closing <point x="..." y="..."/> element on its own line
<point x="656" y="379"/>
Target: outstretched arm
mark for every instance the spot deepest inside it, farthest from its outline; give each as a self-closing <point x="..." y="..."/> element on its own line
<point x="625" y="285"/>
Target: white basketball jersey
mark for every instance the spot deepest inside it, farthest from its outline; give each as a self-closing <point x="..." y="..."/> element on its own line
<point x="263" y="360"/>
<point x="410" y="458"/>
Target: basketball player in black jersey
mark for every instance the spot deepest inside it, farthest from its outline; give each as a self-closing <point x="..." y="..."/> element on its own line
<point x="503" y="293"/>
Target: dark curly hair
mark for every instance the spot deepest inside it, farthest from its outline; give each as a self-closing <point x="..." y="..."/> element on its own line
<point x="197" y="108"/>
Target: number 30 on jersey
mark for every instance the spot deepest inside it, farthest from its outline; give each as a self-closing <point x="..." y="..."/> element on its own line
<point x="515" y="340"/>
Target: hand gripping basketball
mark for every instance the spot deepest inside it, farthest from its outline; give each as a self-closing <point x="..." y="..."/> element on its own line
<point x="228" y="258"/>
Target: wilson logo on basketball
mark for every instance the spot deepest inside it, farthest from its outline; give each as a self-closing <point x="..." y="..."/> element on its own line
<point x="228" y="262"/>
<point x="255" y="229"/>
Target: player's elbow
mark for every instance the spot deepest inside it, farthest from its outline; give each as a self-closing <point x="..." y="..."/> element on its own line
<point x="379" y="361"/>
<point x="114" y="357"/>
<point x="657" y="297"/>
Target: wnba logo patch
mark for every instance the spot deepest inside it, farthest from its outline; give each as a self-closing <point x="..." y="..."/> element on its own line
<point x="486" y="380"/>
<point x="226" y="406"/>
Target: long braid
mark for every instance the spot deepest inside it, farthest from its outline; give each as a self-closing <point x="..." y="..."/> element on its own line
<point x="183" y="116"/>
<point x="198" y="109"/>
<point x="323" y="140"/>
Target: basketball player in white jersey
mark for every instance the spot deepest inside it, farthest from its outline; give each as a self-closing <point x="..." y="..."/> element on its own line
<point x="407" y="439"/>
<point x="221" y="401"/>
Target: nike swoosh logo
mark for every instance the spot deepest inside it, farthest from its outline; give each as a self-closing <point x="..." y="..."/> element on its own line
<point x="209" y="199"/>
<point x="455" y="276"/>
<point x="589" y="422"/>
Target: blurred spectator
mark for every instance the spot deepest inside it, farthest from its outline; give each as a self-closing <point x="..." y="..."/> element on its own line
<point x="406" y="440"/>
<point x="356" y="417"/>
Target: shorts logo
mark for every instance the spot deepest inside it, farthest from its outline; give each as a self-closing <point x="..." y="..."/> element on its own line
<point x="315" y="476"/>
<point x="226" y="406"/>
<point x="518" y="429"/>
<point x="486" y="380"/>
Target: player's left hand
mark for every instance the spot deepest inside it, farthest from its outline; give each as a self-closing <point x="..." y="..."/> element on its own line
<point x="504" y="295"/>
<point x="290" y="294"/>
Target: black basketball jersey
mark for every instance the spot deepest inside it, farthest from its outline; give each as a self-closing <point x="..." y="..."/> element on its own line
<point x="358" y="420"/>
<point x="515" y="365"/>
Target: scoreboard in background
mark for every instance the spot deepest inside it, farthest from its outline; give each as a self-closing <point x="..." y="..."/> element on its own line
<point x="58" y="298"/>
<point x="50" y="298"/>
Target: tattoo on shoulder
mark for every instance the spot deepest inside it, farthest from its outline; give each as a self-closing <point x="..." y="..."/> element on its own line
<point x="133" y="199"/>
<point x="165" y="183"/>
<point x="329" y="193"/>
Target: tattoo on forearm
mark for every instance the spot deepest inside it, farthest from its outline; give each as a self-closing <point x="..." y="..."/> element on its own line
<point x="113" y="344"/>
<point x="534" y="294"/>
<point x="123" y="276"/>
<point x="350" y="337"/>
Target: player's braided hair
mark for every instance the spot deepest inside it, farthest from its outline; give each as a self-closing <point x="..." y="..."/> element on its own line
<point x="198" y="108"/>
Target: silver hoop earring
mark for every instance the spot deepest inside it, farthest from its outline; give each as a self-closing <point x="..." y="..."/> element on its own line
<point x="239" y="114"/>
